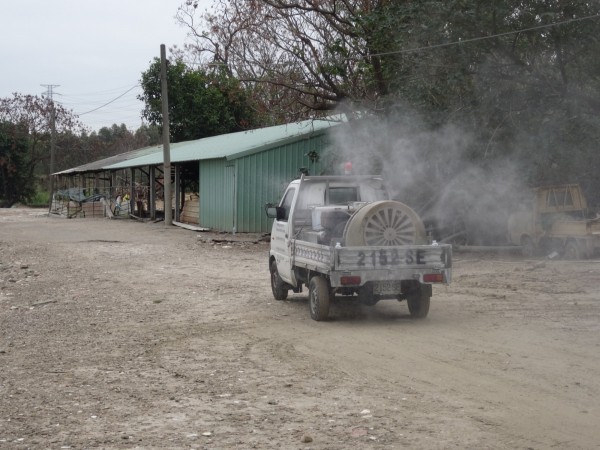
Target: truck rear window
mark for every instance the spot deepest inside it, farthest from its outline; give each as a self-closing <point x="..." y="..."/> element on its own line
<point x="342" y="195"/>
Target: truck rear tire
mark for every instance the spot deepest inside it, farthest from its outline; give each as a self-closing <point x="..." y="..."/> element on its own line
<point x="278" y="286"/>
<point x="418" y="303"/>
<point x="318" y="298"/>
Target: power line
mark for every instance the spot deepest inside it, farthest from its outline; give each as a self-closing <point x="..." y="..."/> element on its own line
<point x="462" y="41"/>
<point x="482" y="38"/>
<point x="113" y="91"/>
<point x="108" y="103"/>
<point x="80" y="104"/>
<point x="74" y="99"/>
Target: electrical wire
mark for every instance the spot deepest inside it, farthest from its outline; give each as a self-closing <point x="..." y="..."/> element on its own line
<point x="464" y="41"/>
<point x="482" y="38"/>
<point x="108" y="103"/>
<point x="75" y="99"/>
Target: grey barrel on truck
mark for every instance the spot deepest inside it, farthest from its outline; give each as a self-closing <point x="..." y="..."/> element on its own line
<point x="384" y="223"/>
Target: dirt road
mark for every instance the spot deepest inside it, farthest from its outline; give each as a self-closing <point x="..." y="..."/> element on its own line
<point x="120" y="334"/>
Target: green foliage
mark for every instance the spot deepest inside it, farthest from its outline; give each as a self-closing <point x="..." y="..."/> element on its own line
<point x="25" y="145"/>
<point x="519" y="78"/>
<point x="39" y="199"/>
<point x="27" y="124"/>
<point x="527" y="95"/>
<point x="201" y="103"/>
<point x="15" y="165"/>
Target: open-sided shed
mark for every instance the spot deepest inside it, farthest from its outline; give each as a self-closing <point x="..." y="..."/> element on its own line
<point x="237" y="173"/>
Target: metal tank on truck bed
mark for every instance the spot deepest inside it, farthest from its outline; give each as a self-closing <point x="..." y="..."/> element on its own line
<point x="341" y="235"/>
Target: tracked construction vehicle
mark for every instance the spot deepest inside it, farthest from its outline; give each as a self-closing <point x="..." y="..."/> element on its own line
<point x="556" y="219"/>
<point x="341" y="235"/>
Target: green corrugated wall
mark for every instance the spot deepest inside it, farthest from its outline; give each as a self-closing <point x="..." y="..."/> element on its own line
<point x="213" y="212"/>
<point x="262" y="178"/>
<point x="259" y="178"/>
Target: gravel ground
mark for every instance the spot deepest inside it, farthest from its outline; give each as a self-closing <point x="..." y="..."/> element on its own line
<point x="121" y="334"/>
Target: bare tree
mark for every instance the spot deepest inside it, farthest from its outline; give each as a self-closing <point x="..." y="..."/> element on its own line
<point x="303" y="58"/>
<point x="28" y="121"/>
<point x="34" y="113"/>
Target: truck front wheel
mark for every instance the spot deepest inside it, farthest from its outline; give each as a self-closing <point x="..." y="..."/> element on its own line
<point x="418" y="302"/>
<point x="527" y="247"/>
<point x="318" y="298"/>
<point x="278" y="286"/>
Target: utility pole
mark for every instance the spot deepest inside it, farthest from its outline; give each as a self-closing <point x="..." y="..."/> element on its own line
<point x="165" y="135"/>
<point x="49" y="95"/>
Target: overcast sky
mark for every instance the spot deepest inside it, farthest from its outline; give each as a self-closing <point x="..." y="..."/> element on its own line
<point x="94" y="50"/>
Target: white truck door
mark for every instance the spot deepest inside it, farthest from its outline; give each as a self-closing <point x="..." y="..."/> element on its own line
<point x="282" y="236"/>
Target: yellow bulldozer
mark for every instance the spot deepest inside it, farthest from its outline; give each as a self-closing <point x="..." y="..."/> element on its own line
<point x="556" y="220"/>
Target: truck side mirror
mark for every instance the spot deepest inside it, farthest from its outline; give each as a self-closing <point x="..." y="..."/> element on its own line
<point x="275" y="212"/>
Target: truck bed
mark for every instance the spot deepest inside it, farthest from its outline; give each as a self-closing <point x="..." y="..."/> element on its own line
<point x="374" y="263"/>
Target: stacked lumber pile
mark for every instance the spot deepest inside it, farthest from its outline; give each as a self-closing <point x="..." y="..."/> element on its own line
<point x="93" y="209"/>
<point x="191" y="209"/>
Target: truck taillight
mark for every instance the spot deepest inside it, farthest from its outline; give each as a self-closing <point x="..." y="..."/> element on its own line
<point x="433" y="278"/>
<point x="350" y="280"/>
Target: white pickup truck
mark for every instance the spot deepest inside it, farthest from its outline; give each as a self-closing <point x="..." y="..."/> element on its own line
<point x="341" y="235"/>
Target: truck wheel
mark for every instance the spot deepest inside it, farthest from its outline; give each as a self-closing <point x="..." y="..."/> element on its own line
<point x="279" y="288"/>
<point x="572" y="251"/>
<point x="318" y="298"/>
<point x="418" y="303"/>
<point x="527" y="247"/>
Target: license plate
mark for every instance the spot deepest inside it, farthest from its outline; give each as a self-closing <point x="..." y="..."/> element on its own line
<point x="386" y="287"/>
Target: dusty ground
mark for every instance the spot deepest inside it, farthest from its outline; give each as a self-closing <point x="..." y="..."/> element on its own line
<point x="120" y="334"/>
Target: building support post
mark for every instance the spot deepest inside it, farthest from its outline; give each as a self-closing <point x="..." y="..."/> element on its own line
<point x="177" y="192"/>
<point x="152" y="192"/>
<point x="132" y="192"/>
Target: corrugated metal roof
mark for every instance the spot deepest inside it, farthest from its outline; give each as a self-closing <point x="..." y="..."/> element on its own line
<point x="102" y="164"/>
<point x="229" y="146"/>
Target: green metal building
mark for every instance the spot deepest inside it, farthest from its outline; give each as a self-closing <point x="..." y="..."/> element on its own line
<point x="240" y="172"/>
